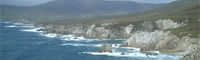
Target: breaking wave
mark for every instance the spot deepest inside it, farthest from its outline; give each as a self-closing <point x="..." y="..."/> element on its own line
<point x="136" y="54"/>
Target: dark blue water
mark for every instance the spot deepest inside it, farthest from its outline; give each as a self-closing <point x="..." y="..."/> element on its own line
<point x="19" y="45"/>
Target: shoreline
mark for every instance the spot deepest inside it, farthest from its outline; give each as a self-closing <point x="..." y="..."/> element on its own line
<point x="51" y="35"/>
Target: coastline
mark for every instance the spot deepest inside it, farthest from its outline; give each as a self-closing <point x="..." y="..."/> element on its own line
<point x="71" y="37"/>
<point x="32" y="28"/>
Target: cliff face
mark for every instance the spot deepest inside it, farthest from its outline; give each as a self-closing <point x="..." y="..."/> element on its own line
<point x="115" y="30"/>
<point x="91" y="31"/>
<point x="193" y="52"/>
<point x="147" y="35"/>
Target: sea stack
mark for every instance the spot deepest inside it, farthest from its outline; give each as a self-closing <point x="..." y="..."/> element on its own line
<point x="106" y="48"/>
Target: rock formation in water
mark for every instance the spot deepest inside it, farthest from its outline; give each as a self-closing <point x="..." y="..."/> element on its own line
<point x="106" y="48"/>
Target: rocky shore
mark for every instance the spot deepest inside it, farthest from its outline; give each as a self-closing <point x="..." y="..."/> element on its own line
<point x="147" y="35"/>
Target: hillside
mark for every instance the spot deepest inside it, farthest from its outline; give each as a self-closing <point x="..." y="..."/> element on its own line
<point x="165" y="8"/>
<point x="181" y="9"/>
<point x="65" y="9"/>
<point x="188" y="12"/>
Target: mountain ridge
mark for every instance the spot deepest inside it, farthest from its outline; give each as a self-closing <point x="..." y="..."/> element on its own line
<point x="78" y="7"/>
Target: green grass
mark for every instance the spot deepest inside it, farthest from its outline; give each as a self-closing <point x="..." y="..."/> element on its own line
<point x="192" y="27"/>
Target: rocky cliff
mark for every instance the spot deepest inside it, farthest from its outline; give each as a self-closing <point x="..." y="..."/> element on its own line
<point x="147" y="35"/>
<point x="106" y="30"/>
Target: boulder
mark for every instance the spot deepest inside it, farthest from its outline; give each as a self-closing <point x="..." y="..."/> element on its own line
<point x="106" y="48"/>
<point x="151" y="53"/>
<point x="123" y="54"/>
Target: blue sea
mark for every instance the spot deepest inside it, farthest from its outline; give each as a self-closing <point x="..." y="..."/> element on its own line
<point x="20" y="41"/>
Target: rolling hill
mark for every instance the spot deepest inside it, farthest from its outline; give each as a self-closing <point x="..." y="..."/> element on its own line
<point x="76" y="8"/>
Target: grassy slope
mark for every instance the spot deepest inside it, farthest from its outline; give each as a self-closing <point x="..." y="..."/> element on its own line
<point x="156" y="13"/>
<point x="178" y="11"/>
<point x="190" y="13"/>
<point x="181" y="9"/>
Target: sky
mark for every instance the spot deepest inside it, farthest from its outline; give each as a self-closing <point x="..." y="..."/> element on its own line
<point x="36" y="2"/>
<point x="23" y="2"/>
<point x="149" y="1"/>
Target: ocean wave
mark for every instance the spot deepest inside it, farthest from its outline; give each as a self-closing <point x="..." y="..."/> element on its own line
<point x="27" y="26"/>
<point x="50" y="35"/>
<point x="135" y="54"/>
<point x="118" y="54"/>
<point x="20" y="25"/>
<point x="11" y="26"/>
<point x="71" y="37"/>
<point x="99" y="45"/>
<point x="32" y="29"/>
<point x="6" y="22"/>
<point x="78" y="44"/>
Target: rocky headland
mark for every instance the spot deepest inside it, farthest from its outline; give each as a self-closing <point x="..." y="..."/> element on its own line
<point x="156" y="35"/>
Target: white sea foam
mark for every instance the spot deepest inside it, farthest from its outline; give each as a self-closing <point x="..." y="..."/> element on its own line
<point x="50" y="35"/>
<point x="78" y="44"/>
<point x="135" y="54"/>
<point x="32" y="29"/>
<point x="71" y="37"/>
<point x="75" y="38"/>
<point x="27" y="26"/>
<point x="99" y="45"/>
<point x="118" y="54"/>
<point x="18" y="24"/>
<point x="81" y="38"/>
<point x="131" y="48"/>
<point x="11" y="26"/>
<point x="6" y="22"/>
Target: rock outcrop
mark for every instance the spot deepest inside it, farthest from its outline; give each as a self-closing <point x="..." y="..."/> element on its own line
<point x="147" y="35"/>
<point x="192" y="52"/>
<point x="166" y="24"/>
<point x="109" y="30"/>
<point x="146" y="39"/>
<point x="106" y="48"/>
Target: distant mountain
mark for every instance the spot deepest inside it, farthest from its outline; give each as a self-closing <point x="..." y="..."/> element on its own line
<point x="180" y="9"/>
<point x="168" y="7"/>
<point x="77" y="8"/>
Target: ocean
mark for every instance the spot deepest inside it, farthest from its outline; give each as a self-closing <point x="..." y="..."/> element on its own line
<point x="20" y="41"/>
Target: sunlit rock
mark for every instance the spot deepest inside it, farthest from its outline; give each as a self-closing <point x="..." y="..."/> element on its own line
<point x="128" y="29"/>
<point x="147" y="26"/>
<point x="166" y="24"/>
<point x="106" y="48"/>
<point x="146" y="39"/>
<point x="192" y="53"/>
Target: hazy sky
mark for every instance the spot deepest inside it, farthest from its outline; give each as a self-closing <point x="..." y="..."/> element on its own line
<point x="36" y="2"/>
<point x="23" y="2"/>
<point x="148" y="1"/>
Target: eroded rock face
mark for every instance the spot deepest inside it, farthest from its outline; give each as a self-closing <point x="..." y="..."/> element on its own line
<point x="147" y="26"/>
<point x="158" y="40"/>
<point x="192" y="53"/>
<point x="112" y="30"/>
<point x="146" y="39"/>
<point x="128" y="29"/>
<point x="170" y="41"/>
<point x="106" y="48"/>
<point x="166" y="24"/>
<point x="154" y="37"/>
<point x="91" y="31"/>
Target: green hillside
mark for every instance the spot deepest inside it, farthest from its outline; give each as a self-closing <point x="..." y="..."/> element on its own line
<point x="190" y="13"/>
